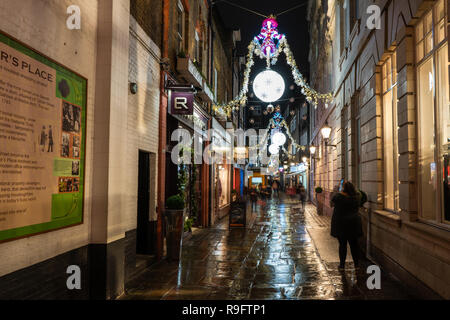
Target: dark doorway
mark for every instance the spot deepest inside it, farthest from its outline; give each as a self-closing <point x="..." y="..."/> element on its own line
<point x="143" y="237"/>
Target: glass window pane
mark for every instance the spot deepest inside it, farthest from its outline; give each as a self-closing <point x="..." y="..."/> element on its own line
<point x="389" y="73"/>
<point x="440" y="10"/>
<point x="427" y="164"/>
<point x="428" y="43"/>
<point x="429" y="22"/>
<point x="420" y="53"/>
<point x="440" y="32"/>
<point x="395" y="150"/>
<point x="444" y="114"/>
<point x="419" y="32"/>
<point x="388" y="144"/>
<point x="394" y="68"/>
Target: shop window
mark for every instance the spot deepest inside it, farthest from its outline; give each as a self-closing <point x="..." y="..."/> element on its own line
<point x="390" y="134"/>
<point x="433" y="118"/>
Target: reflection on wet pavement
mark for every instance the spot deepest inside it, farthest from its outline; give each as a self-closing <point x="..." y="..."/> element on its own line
<point x="275" y="259"/>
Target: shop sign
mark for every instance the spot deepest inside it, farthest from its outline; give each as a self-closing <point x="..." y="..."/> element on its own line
<point x="298" y="169"/>
<point x="181" y="103"/>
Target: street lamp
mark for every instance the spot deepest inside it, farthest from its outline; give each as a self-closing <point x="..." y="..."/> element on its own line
<point x="312" y="150"/>
<point x="326" y="133"/>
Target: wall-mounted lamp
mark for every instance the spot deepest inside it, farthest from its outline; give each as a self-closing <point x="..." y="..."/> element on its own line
<point x="326" y="133"/>
<point x="133" y="87"/>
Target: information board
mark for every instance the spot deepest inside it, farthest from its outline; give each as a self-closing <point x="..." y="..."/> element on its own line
<point x="42" y="142"/>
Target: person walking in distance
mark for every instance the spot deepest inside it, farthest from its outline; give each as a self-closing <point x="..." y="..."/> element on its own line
<point x="302" y="192"/>
<point x="346" y="223"/>
<point x="253" y="197"/>
<point x="275" y="188"/>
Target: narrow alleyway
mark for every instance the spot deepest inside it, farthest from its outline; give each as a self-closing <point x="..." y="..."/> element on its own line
<point x="274" y="259"/>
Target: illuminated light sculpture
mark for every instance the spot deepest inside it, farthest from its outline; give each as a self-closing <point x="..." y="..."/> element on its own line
<point x="279" y="139"/>
<point x="269" y="44"/>
<point x="274" y="149"/>
<point x="268" y="41"/>
<point x="269" y="86"/>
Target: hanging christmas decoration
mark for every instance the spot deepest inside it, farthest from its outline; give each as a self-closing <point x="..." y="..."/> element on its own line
<point x="274" y="149"/>
<point x="268" y="41"/>
<point x="279" y="138"/>
<point x="269" y="86"/>
<point x="269" y="44"/>
<point x="270" y="108"/>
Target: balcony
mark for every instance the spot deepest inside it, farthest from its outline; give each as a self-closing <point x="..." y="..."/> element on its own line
<point x="189" y="72"/>
<point x="206" y="95"/>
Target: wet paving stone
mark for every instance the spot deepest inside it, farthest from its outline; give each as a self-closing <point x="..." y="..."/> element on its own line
<point x="274" y="259"/>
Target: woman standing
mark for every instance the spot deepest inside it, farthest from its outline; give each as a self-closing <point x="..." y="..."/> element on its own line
<point x="346" y="223"/>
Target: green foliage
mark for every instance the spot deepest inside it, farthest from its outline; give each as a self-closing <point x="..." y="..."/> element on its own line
<point x="194" y="198"/>
<point x="188" y="224"/>
<point x="319" y="190"/>
<point x="175" y="203"/>
<point x="182" y="181"/>
<point x="364" y="198"/>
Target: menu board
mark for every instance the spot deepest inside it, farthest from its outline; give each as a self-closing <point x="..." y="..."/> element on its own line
<point x="42" y="142"/>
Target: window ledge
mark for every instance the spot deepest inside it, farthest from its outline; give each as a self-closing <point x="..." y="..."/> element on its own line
<point x="441" y="233"/>
<point x="390" y="217"/>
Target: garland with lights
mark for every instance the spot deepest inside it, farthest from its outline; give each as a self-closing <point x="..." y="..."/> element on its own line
<point x="269" y="44"/>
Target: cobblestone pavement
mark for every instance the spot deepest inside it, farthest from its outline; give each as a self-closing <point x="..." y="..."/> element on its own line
<point x="274" y="259"/>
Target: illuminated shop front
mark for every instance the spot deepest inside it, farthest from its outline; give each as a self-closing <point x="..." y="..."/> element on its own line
<point x="222" y="174"/>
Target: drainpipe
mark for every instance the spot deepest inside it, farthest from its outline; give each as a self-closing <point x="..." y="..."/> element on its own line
<point x="211" y="63"/>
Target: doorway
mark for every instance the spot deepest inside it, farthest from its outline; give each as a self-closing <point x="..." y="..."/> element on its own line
<point x="143" y="232"/>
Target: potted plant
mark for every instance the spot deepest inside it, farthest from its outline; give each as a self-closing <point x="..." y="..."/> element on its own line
<point x="319" y="199"/>
<point x="174" y="217"/>
<point x="364" y="198"/>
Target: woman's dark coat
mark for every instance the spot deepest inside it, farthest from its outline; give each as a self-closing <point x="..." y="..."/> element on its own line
<point x="346" y="222"/>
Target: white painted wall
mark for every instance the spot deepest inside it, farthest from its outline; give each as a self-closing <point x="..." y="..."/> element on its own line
<point x="143" y="117"/>
<point x="47" y="33"/>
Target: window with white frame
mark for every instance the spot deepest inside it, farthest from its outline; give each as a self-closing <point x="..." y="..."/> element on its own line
<point x="433" y="115"/>
<point x="197" y="47"/>
<point x="180" y="27"/>
<point x="390" y="134"/>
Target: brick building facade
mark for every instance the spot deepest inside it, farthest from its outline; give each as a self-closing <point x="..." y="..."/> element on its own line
<point x="390" y="127"/>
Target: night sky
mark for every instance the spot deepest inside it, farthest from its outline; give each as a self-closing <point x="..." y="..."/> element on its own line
<point x="293" y="24"/>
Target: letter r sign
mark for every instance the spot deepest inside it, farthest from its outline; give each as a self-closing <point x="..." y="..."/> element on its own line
<point x="181" y="103"/>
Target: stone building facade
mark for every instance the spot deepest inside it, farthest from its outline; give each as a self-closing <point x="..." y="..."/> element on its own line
<point x="390" y="127"/>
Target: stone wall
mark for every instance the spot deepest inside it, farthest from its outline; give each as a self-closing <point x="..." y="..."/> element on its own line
<point x="415" y="248"/>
